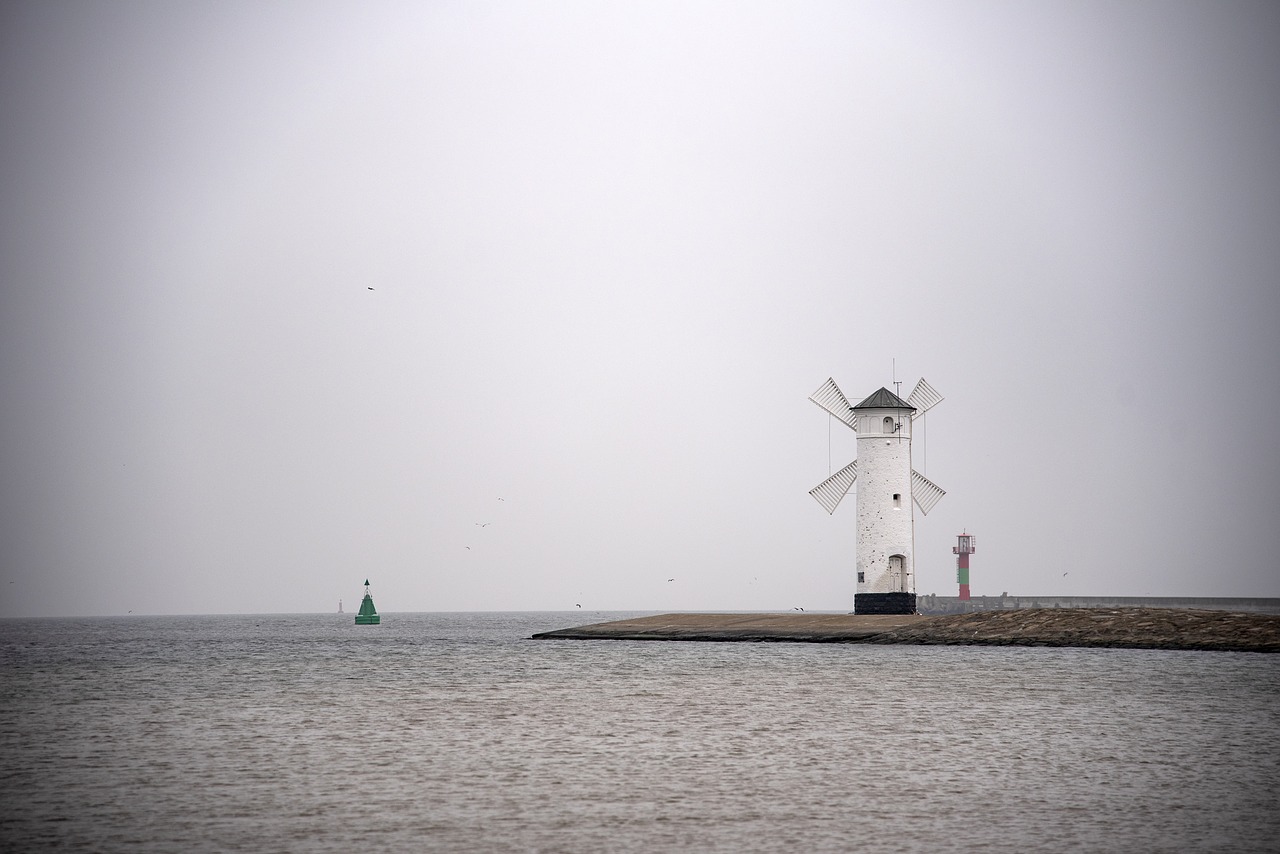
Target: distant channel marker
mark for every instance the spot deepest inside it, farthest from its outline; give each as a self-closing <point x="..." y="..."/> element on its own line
<point x="1131" y="628"/>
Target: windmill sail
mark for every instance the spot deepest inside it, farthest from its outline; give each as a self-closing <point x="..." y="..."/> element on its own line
<point x="923" y="397"/>
<point x="830" y="398"/>
<point x="834" y="488"/>
<point x="925" y="492"/>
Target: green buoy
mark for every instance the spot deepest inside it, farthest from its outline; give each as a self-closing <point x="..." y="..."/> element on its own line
<point x="368" y="615"/>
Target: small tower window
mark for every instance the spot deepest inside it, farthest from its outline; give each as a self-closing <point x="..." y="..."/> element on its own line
<point x="862" y="577"/>
<point x="888" y="424"/>
<point x="897" y="499"/>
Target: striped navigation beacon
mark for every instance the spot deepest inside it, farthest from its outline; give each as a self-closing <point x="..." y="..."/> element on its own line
<point x="967" y="545"/>
<point x="887" y="487"/>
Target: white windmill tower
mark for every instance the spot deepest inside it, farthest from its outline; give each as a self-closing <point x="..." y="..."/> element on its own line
<point x="887" y="486"/>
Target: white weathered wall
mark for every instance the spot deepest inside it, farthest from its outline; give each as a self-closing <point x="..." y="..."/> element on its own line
<point x="884" y="468"/>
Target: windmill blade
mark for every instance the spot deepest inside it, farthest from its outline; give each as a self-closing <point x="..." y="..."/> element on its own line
<point x="923" y="397"/>
<point x="830" y="398"/>
<point x="925" y="492"/>
<point x="836" y="487"/>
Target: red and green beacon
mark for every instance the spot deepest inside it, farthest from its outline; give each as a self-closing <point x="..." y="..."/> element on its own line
<point x="368" y="615"/>
<point x="967" y="546"/>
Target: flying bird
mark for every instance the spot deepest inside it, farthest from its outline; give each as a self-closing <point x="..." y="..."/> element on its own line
<point x="797" y="609"/>
<point x="484" y="524"/>
<point x="670" y="579"/>
<point x="370" y="288"/>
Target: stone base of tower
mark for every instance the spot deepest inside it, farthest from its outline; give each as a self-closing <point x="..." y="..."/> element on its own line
<point x="884" y="603"/>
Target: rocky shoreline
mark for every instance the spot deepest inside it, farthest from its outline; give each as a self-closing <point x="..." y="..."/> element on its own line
<point x="1133" y="628"/>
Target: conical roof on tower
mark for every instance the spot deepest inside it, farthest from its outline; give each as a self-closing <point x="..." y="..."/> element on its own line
<point x="884" y="399"/>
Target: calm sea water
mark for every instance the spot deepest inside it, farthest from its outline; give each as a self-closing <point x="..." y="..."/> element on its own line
<point x="455" y="732"/>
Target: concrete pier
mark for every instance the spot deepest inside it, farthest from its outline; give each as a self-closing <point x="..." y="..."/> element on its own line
<point x="1134" y="628"/>
<point x="801" y="628"/>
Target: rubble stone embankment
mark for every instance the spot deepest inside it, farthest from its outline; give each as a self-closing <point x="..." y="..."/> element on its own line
<point x="1134" y="628"/>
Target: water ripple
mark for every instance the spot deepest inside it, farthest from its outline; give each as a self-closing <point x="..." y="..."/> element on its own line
<point x="453" y="732"/>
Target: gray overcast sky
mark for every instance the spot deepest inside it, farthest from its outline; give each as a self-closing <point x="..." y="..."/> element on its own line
<point x="612" y="249"/>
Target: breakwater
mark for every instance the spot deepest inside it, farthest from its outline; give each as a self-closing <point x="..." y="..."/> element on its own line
<point x="803" y="628"/>
<point x="931" y="604"/>
<point x="1134" y="628"/>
